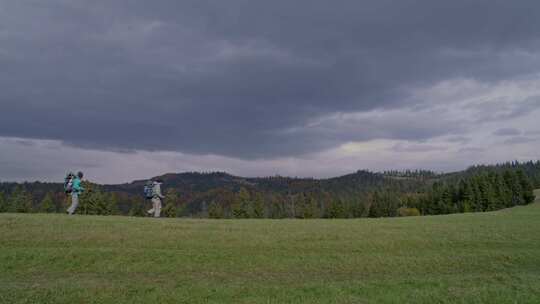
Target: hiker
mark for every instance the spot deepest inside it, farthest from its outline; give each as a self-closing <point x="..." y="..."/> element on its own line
<point x="156" y="198"/>
<point x="75" y="189"/>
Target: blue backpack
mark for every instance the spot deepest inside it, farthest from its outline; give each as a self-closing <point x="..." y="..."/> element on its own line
<point x="149" y="190"/>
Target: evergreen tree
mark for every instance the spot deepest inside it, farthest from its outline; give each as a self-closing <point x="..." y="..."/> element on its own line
<point x="501" y="192"/>
<point x="526" y="187"/>
<point x="241" y="204"/>
<point x="444" y="203"/>
<point x="336" y="209"/>
<point x="215" y="210"/>
<point x="47" y="204"/>
<point x="359" y="207"/>
<point x="93" y="201"/>
<point x="171" y="198"/>
<point x="464" y="196"/>
<point x="300" y="206"/>
<point x="310" y="207"/>
<point x="375" y="207"/>
<point x="512" y="182"/>
<point x="112" y="202"/>
<point x="291" y="205"/>
<point x="391" y="204"/>
<point x="181" y="206"/>
<point x="257" y="211"/>
<point x="227" y="200"/>
<point x="277" y="207"/>
<point x="487" y="195"/>
<point x="433" y="205"/>
<point x="3" y="203"/>
<point x="454" y="197"/>
<point x="476" y="201"/>
<point x="137" y="207"/>
<point x="20" y="200"/>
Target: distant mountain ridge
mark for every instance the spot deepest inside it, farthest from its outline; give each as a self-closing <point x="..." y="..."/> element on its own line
<point x="198" y="181"/>
<point x="361" y="179"/>
<point x="359" y="194"/>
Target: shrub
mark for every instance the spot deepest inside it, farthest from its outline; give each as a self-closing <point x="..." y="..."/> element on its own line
<point x="403" y="211"/>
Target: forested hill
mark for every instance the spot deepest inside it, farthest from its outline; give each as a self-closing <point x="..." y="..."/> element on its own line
<point x="200" y="182"/>
<point x="362" y="180"/>
<point x="363" y="193"/>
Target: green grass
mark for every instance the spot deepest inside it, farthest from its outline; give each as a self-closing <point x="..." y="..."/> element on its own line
<point x="467" y="258"/>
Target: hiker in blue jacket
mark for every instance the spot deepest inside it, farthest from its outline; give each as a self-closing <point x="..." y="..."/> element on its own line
<point x="76" y="190"/>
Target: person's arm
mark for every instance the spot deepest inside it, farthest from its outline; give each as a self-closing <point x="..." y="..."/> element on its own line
<point x="159" y="192"/>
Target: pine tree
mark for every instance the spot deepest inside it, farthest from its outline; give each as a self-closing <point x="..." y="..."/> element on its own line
<point x="505" y="192"/>
<point x="464" y="196"/>
<point x="215" y="210"/>
<point x="375" y="209"/>
<point x="182" y="203"/>
<point x="501" y="192"/>
<point x="476" y="204"/>
<point x="300" y="205"/>
<point x="435" y="196"/>
<point x="487" y="196"/>
<point x="171" y="198"/>
<point x="454" y="197"/>
<point x="93" y="201"/>
<point x="391" y="204"/>
<point x="513" y="184"/>
<point x="20" y="200"/>
<point x="47" y="204"/>
<point x="3" y="203"/>
<point x="112" y="202"/>
<point x="526" y="187"/>
<point x="227" y="200"/>
<point x="444" y="203"/>
<point x="359" y="207"/>
<point x="137" y="207"/>
<point x="277" y="207"/>
<point x="292" y="205"/>
<point x="258" y="206"/>
<point x="336" y="209"/>
<point x="241" y="204"/>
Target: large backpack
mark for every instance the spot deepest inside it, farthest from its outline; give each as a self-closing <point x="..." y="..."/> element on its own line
<point x="68" y="183"/>
<point x="149" y="190"/>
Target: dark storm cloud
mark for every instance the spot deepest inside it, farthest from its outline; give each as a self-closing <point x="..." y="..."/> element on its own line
<point x="520" y="140"/>
<point x="400" y="147"/>
<point x="472" y="150"/>
<point x="507" y="132"/>
<point x="234" y="77"/>
<point x="505" y="109"/>
<point x="459" y="139"/>
<point x="396" y="124"/>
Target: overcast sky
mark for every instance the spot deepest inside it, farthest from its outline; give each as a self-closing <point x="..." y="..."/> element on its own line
<point x="132" y="89"/>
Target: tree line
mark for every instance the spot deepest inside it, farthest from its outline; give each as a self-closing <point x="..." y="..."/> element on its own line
<point x="484" y="191"/>
<point x="362" y="194"/>
<point x="93" y="201"/>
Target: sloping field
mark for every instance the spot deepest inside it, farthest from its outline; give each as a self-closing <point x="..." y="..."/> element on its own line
<point x="468" y="258"/>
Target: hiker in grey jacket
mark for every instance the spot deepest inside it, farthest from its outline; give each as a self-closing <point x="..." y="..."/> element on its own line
<point x="156" y="199"/>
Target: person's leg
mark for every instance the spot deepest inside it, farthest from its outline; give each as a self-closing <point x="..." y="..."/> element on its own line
<point x="74" y="203"/>
<point x="157" y="206"/>
<point x="151" y="211"/>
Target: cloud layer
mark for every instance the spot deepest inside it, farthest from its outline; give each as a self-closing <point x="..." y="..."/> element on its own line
<point x="267" y="81"/>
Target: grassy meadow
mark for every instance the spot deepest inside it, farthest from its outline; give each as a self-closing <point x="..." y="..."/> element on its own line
<point x="491" y="257"/>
